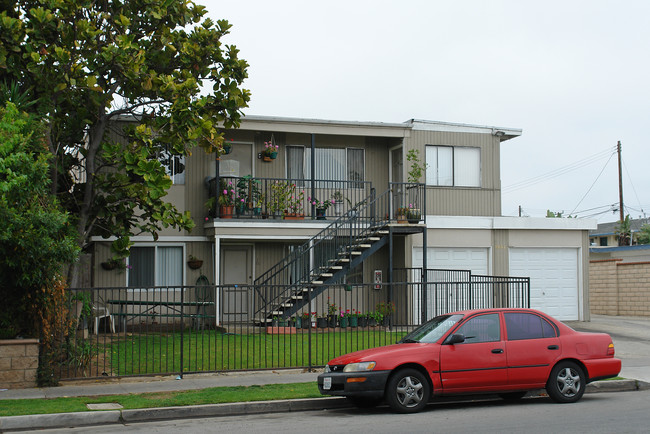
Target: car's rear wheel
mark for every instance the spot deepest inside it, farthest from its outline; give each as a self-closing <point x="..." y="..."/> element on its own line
<point x="407" y="391"/>
<point x="566" y="383"/>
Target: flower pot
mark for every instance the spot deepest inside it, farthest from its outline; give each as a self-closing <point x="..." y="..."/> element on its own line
<point x="227" y="148"/>
<point x="385" y="321"/>
<point x="354" y="321"/>
<point x="362" y="321"/>
<point x="266" y="158"/>
<point x="226" y="211"/>
<point x="305" y="323"/>
<point x="109" y="265"/>
<point x="332" y="320"/>
<point x="321" y="323"/>
<point x="195" y="264"/>
<point x="320" y="213"/>
<point x="343" y="322"/>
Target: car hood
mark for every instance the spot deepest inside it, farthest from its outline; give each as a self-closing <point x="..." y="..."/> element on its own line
<point x="401" y="351"/>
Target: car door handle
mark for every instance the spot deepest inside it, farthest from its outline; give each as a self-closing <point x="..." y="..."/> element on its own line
<point x="497" y="350"/>
<point x="553" y="347"/>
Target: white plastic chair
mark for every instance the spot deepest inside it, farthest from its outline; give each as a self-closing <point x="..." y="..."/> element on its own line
<point x="103" y="312"/>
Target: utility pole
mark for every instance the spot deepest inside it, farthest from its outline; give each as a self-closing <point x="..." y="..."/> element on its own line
<point x="620" y="184"/>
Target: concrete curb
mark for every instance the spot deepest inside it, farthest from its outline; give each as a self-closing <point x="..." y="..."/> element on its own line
<point x="67" y="420"/>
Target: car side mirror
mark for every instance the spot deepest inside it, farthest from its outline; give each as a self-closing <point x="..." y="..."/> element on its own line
<point x="457" y="338"/>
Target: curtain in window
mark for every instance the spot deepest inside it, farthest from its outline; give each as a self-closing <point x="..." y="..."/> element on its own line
<point x="170" y="266"/>
<point x="296" y="163"/>
<point x="467" y="167"/>
<point x="439" y="165"/>
<point x="355" y="167"/>
<point x="142" y="265"/>
<point x="330" y="164"/>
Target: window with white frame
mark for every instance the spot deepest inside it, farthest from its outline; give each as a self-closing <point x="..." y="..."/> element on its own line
<point x="337" y="164"/>
<point x="155" y="266"/>
<point x="453" y="166"/>
<point x="174" y="166"/>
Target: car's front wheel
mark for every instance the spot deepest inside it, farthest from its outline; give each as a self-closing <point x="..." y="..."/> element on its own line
<point x="566" y="383"/>
<point x="407" y="391"/>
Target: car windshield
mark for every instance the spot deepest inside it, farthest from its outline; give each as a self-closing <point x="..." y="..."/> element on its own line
<point x="432" y="330"/>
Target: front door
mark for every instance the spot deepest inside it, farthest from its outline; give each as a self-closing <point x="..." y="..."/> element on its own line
<point x="236" y="278"/>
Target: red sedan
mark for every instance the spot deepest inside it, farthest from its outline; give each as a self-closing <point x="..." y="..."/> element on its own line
<point x="503" y="351"/>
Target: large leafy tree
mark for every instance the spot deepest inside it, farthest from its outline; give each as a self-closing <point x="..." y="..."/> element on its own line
<point x="36" y="238"/>
<point x="121" y="83"/>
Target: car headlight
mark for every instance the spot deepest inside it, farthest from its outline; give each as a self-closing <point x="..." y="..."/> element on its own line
<point x="359" y="367"/>
<point x="327" y="369"/>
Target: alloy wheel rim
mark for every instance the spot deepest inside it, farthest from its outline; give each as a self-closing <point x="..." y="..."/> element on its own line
<point x="568" y="382"/>
<point x="409" y="392"/>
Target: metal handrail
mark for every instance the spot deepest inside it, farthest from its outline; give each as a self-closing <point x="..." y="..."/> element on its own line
<point x="335" y="241"/>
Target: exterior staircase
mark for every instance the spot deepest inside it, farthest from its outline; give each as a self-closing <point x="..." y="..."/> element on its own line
<point x="325" y="259"/>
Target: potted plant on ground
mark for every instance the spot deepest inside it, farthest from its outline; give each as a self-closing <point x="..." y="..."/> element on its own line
<point x="332" y="313"/>
<point x="385" y="309"/>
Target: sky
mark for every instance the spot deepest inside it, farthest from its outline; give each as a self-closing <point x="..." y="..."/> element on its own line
<point x="573" y="75"/>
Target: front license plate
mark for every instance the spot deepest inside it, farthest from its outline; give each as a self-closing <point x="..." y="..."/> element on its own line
<point x="327" y="383"/>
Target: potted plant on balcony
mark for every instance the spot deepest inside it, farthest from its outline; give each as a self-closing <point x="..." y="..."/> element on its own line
<point x="270" y="151"/>
<point x="401" y="214"/>
<point x="338" y="199"/>
<point x="413" y="214"/>
<point x="295" y="200"/>
<point x="278" y="198"/>
<point x="321" y="206"/>
<point x="226" y="200"/>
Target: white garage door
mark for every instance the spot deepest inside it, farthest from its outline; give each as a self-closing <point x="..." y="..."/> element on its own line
<point x="553" y="279"/>
<point x="473" y="259"/>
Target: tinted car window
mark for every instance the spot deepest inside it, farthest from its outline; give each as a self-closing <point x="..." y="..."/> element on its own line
<point x="527" y="326"/>
<point x="481" y="328"/>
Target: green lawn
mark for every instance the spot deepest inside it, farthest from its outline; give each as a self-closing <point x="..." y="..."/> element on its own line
<point x="214" y="395"/>
<point x="214" y="351"/>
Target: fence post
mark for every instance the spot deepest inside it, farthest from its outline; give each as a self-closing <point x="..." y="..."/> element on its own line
<point x="182" y="330"/>
<point x="309" y="330"/>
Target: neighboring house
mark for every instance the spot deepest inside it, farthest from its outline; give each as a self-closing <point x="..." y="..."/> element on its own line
<point x="356" y="162"/>
<point x="603" y="243"/>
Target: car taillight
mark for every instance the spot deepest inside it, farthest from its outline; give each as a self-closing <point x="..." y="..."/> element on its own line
<point x="610" y="349"/>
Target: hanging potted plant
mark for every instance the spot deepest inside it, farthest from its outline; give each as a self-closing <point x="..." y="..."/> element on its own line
<point x="270" y="151"/>
<point x="227" y="147"/>
<point x="194" y="263"/>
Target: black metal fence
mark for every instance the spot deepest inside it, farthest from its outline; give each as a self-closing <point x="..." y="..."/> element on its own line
<point x="191" y="329"/>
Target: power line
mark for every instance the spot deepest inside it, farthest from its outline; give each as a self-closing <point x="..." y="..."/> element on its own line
<point x="594" y="183"/>
<point x="560" y="171"/>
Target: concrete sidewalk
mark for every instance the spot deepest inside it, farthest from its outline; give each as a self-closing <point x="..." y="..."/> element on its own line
<point x="631" y="340"/>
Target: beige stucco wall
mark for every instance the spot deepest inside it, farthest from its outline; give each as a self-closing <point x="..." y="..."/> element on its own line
<point x="619" y="288"/>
